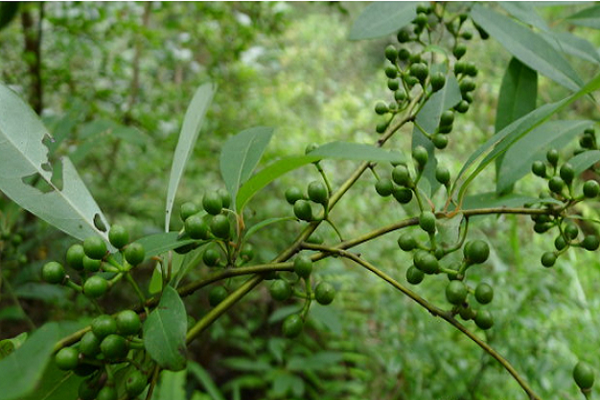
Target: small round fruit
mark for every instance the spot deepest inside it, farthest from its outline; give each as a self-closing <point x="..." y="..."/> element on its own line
<point x="118" y="236"/>
<point x="459" y="67"/>
<point x="407" y="242"/>
<point x="303" y="266"/>
<point x="442" y="175"/>
<point x="462" y="107"/>
<point x="216" y="295"/>
<point x="74" y="257"/>
<point x="571" y="231"/>
<point x="403" y="35"/>
<point x="391" y="53"/>
<point x="447" y="118"/>
<point x="420" y="155"/>
<point x="53" y="272"/>
<point x="426" y="262"/>
<point x="280" y="290"/>
<point x="567" y="173"/>
<point x="317" y="192"/>
<point x="211" y="257"/>
<point x="484" y="320"/>
<point x="187" y="210"/>
<point x="128" y="322"/>
<point x="583" y="374"/>
<point x="91" y="265"/>
<point x="484" y="293"/>
<point x="400" y="175"/>
<point x="94" y="247"/>
<point x="135" y="253"/>
<point x="303" y="210"/>
<point x="440" y="141"/>
<point x="393" y="84"/>
<point x="384" y="187"/>
<point x="381" y="108"/>
<point x="476" y="251"/>
<point x="590" y="242"/>
<point x="324" y="293"/>
<point x="456" y="292"/>
<point x="104" y="325"/>
<point x="212" y="203"/>
<point x="459" y="51"/>
<point x="552" y="156"/>
<point x="293" y="194"/>
<point x="135" y="383"/>
<point x="225" y="197"/>
<point x="548" y="259"/>
<point x="539" y="169"/>
<point x="247" y="253"/>
<point x="414" y="276"/>
<point x="197" y="228"/>
<point x="591" y="189"/>
<point x="438" y="80"/>
<point x="419" y="71"/>
<point x="391" y="72"/>
<point x="292" y="326"/>
<point x="427" y="221"/>
<point x="466" y="313"/>
<point x="219" y="226"/>
<point x="67" y="358"/>
<point x="402" y="195"/>
<point x="95" y="287"/>
<point x="560" y="243"/>
<point x="114" y="347"/>
<point x="89" y="344"/>
<point x="400" y="95"/>
<point x="107" y="393"/>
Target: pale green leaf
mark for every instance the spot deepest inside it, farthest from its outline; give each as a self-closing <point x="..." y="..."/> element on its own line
<point x="573" y="45"/>
<point x="525" y="12"/>
<point x="382" y="18"/>
<point x="584" y="160"/>
<point x="159" y="243"/>
<point x="493" y="200"/>
<point x="206" y="381"/>
<point x="589" y="17"/>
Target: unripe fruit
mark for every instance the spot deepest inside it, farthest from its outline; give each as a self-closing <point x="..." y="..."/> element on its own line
<point x="456" y="292"/>
<point x="292" y="326"/>
<point x="303" y="266"/>
<point x="391" y="53"/>
<point x="280" y="290"/>
<point x="591" y="189"/>
<point x="471" y="69"/>
<point x="484" y="293"/>
<point x="303" y="210"/>
<point x="467" y="85"/>
<point x="556" y="184"/>
<point x="247" y="253"/>
<point x="484" y="319"/>
<point x="539" y="169"/>
<point x="381" y="108"/>
<point x="293" y="194"/>
<point x="462" y="107"/>
<point x="94" y="247"/>
<point x="324" y="293"/>
<point x="401" y="176"/>
<point x="384" y="187"/>
<point x="403" y="36"/>
<point x="53" y="272"/>
<point x="134" y="253"/>
<point x="67" y="358"/>
<point x="459" y="50"/>
<point x="438" y="80"/>
<point x="466" y="313"/>
<point x="135" y="383"/>
<point x="75" y="256"/>
<point x="440" y="141"/>
<point x="427" y="221"/>
<point x="197" y="228"/>
<point x="402" y="195"/>
<point x="381" y="127"/>
<point x="393" y="84"/>
<point x="107" y="393"/>
<point x="567" y="173"/>
<point x="548" y="259"/>
<point x="542" y="227"/>
<point x="420" y="155"/>
<point x="407" y="242"/>
<point x="419" y="71"/>
<point x="187" y="210"/>
<point x="114" y="347"/>
<point x="118" y="236"/>
<point x="590" y="242"/>
<point x="442" y="175"/>
<point x="216" y="295"/>
<point x="91" y="265"/>
<point x="552" y="156"/>
<point x="211" y="257"/>
<point x="583" y="374"/>
<point x="560" y="243"/>
<point x="89" y="344"/>
<point x="95" y="287"/>
<point x="128" y="322"/>
<point x="447" y="118"/>
<point x="414" y="276"/>
<point x="391" y="72"/>
<point x="571" y="231"/>
<point x="421" y="20"/>
<point x="426" y="262"/>
<point x="459" y="67"/>
<point x="225" y="197"/>
<point x="212" y="203"/>
<point x="317" y="192"/>
<point x="476" y="251"/>
<point x="104" y="325"/>
<point x="219" y="226"/>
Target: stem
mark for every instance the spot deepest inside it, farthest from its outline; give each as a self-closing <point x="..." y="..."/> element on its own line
<point x="137" y="290"/>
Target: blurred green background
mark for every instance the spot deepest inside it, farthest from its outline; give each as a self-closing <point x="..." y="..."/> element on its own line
<point x="116" y="79"/>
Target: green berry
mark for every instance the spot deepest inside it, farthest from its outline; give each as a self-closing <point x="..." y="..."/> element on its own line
<point x="447" y="118"/>
<point x="401" y="176"/>
<point x="591" y="189"/>
<point x="567" y="173"/>
<point x="403" y="36"/>
<point x="402" y="195"/>
<point x="95" y="287"/>
<point x="548" y="259"/>
<point x="89" y="344"/>
<point x="482" y="32"/>
<point x="381" y="108"/>
<point x="414" y="276"/>
<point x="467" y="85"/>
<point x="484" y="320"/>
<point x="293" y="194"/>
<point x="583" y="374"/>
<point x="427" y="221"/>
<point x="590" y="242"/>
<point x="317" y="192"/>
<point x="220" y="227"/>
<point x="391" y="53"/>
<point x="407" y="242"/>
<point x="459" y="67"/>
<point x="128" y="323"/>
<point x="542" y="227"/>
<point x="471" y="69"/>
<point x="391" y="72"/>
<point x="107" y="393"/>
<point x="571" y="231"/>
<point x="539" y="169"/>
<point x="104" y="325"/>
<point x="467" y="35"/>
<point x="187" y="210"/>
<point x="134" y="253"/>
<point x="393" y="84"/>
<point x="67" y="358"/>
<point x="466" y="313"/>
<point x="303" y="266"/>
<point x="53" y="272"/>
<point x="556" y="184"/>
<point x="247" y="253"/>
<point x="94" y="247"/>
<point x="225" y="197"/>
<point x="303" y="210"/>
<point x="426" y="262"/>
<point x="118" y="236"/>
<point x="419" y="70"/>
<point x="114" y="347"/>
<point x="211" y="257"/>
<point x="440" y="141"/>
<point x="400" y="95"/>
<point x="324" y="293"/>
<point x="74" y="257"/>
<point x="212" y="203"/>
<point x="135" y="383"/>
<point x="382" y="126"/>
<point x="384" y="187"/>
<point x="476" y="251"/>
<point x="438" y="80"/>
<point x="91" y="265"/>
<point x="462" y="107"/>
<point x="442" y="175"/>
<point x="459" y="50"/>
<point x="552" y="156"/>
<point x="292" y="326"/>
<point x="216" y="295"/>
<point x="444" y="129"/>
<point x="421" y="20"/>
<point x="280" y="290"/>
<point x="456" y="292"/>
<point x="420" y="155"/>
<point x="197" y="228"/>
<point x="560" y="243"/>
<point x="484" y="293"/>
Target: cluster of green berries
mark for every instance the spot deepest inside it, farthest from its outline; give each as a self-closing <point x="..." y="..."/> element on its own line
<point x="110" y="342"/>
<point x="94" y="262"/>
<point x="10" y="243"/>
<point x="317" y="193"/>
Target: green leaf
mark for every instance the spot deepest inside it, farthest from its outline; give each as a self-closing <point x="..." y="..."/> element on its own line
<point x="525" y="12"/>
<point x="192" y="122"/>
<point x="589" y="17"/>
<point x="171" y="386"/>
<point x="526" y="45"/>
<point x="533" y="146"/>
<point x="56" y="385"/>
<point x="584" y="160"/>
<point x="71" y="208"/>
<point x="159" y="243"/>
<point x="22" y="370"/>
<point x="164" y="331"/>
<point x="518" y="93"/>
<point x="7" y="346"/>
<point x="8" y="11"/>
<point x="240" y="155"/>
<point x="493" y="200"/>
<point x="246" y="365"/>
<point x="573" y="45"/>
<point x="355" y="151"/>
<point x="286" y="384"/>
<point x="270" y="221"/>
<point x="206" y="381"/>
<point x="382" y="18"/>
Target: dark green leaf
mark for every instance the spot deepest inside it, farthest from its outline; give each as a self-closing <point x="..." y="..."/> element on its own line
<point x="164" y="331"/>
<point x="382" y="18"/>
<point x="584" y="160"/>
<point x="286" y="385"/>
<point x="526" y="45"/>
<point x="8" y="11"/>
<point x="589" y="17"/>
<point x="159" y="243"/>
<point x="246" y="365"/>
<point x="56" y="385"/>
<point x="7" y="346"/>
<point x="518" y="94"/>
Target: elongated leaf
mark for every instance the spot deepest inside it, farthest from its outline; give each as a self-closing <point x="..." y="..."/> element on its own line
<point x="22" y="370"/>
<point x="382" y="18"/>
<point x="584" y="160"/>
<point x="491" y="199"/>
<point x="525" y="12"/>
<point x="240" y="155"/>
<point x="518" y="93"/>
<point x="270" y="221"/>
<point x="71" y="209"/>
<point x="573" y="45"/>
<point x="526" y="45"/>
<point x="171" y="386"/>
<point x="589" y="17"/>
<point x="533" y="146"/>
<point x="204" y="378"/>
<point x="164" y="331"/>
<point x="192" y="122"/>
<point x="56" y="385"/>
<point x="159" y="243"/>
